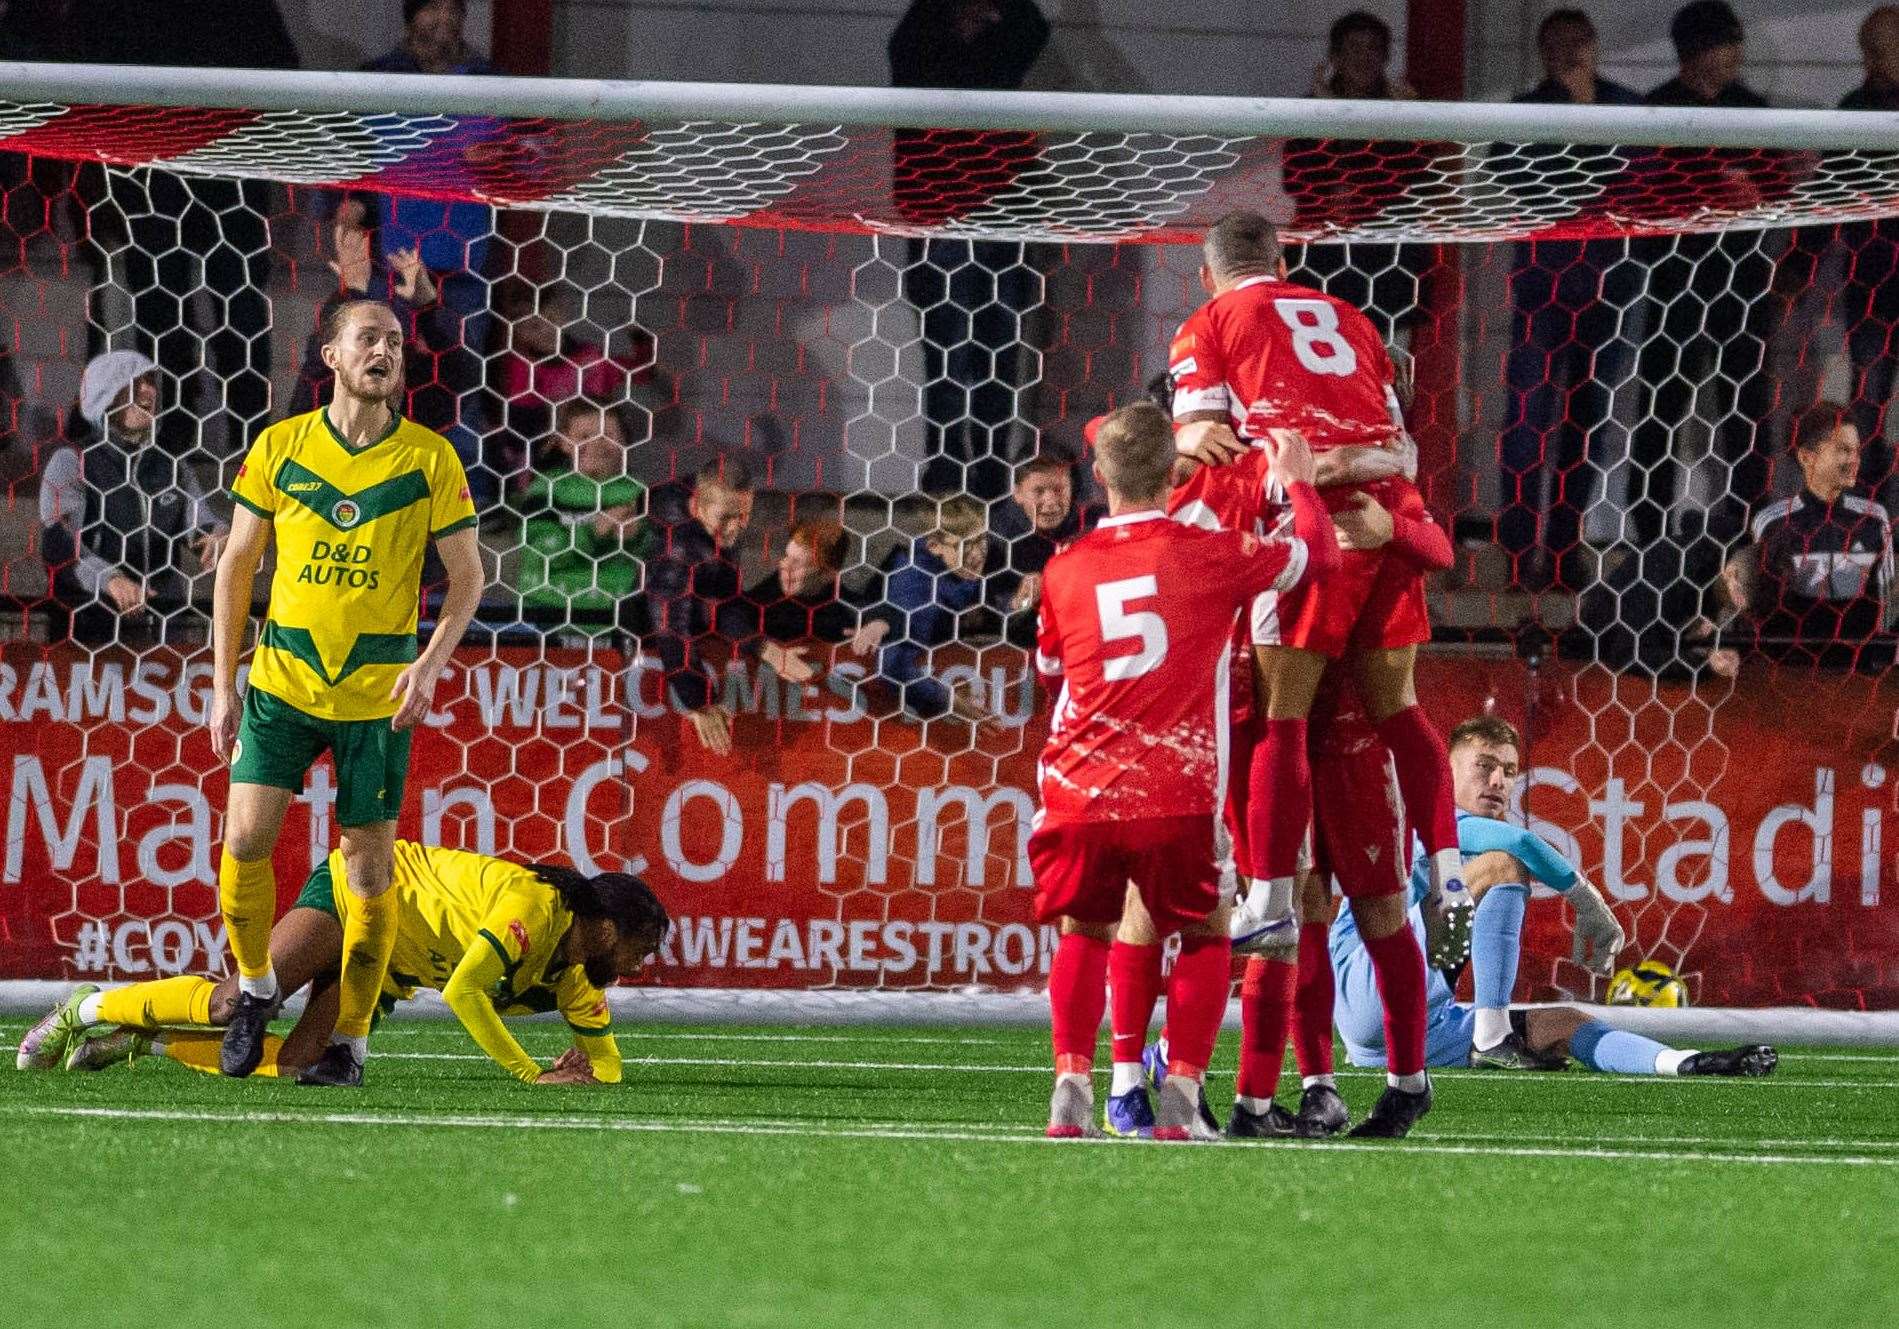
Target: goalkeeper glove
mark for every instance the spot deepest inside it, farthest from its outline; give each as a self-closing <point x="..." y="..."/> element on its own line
<point x="1598" y="936"/>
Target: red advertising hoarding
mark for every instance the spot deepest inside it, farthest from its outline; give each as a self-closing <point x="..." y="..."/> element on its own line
<point x="1742" y="831"/>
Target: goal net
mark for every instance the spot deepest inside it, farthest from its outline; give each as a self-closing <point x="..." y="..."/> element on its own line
<point x="1613" y="327"/>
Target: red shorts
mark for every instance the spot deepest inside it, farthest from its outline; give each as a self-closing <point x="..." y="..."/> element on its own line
<point x="1375" y="601"/>
<point x="1358" y="823"/>
<point x="1082" y="869"/>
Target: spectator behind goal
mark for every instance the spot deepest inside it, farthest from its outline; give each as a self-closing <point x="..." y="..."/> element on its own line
<point x="456" y="238"/>
<point x="1039" y="519"/>
<point x="929" y="588"/>
<point x="583" y="532"/>
<point x="800" y="603"/>
<point x="1826" y="554"/>
<point x="1870" y="295"/>
<point x="1568" y="345"/>
<point x="118" y="514"/>
<point x="971" y="296"/>
<point x="1350" y="182"/>
<point x="692" y="578"/>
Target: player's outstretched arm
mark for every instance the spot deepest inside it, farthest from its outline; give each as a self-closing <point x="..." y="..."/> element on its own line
<point x="585" y="1009"/>
<point x="230" y="612"/>
<point x="415" y="686"/>
<point x="1482" y="835"/>
<point x="1423" y="541"/>
<point x="466" y="993"/>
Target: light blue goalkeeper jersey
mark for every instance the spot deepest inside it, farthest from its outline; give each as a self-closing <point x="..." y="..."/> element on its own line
<point x="1475" y="835"/>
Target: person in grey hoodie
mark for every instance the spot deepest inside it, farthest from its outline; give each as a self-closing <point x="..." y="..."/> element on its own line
<point x="124" y="525"/>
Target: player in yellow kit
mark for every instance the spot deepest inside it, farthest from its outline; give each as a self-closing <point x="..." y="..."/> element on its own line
<point x="352" y="494"/>
<point x="494" y="937"/>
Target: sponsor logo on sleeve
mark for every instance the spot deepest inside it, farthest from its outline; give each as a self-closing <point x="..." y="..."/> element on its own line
<point x="518" y="930"/>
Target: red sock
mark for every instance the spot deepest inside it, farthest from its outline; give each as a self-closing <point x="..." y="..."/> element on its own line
<point x="1077" y="995"/>
<point x="1134" y="976"/>
<point x="1239" y="777"/>
<point x="1424" y="777"/>
<point x="1279" y="799"/>
<point x="1398" y="965"/>
<point x="1312" y="1001"/>
<point x="1196" y="999"/>
<point x="1265" y="1016"/>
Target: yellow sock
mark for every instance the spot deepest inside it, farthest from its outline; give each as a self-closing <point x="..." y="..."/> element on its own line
<point x="247" y="893"/>
<point x="369" y="935"/>
<point x="168" y="1001"/>
<point x="199" y="1051"/>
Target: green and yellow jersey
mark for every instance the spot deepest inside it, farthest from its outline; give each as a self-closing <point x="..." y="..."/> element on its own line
<point x="484" y="932"/>
<point x="351" y="526"/>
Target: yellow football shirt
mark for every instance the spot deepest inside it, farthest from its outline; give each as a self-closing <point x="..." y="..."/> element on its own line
<point x="351" y="528"/>
<point x="482" y="931"/>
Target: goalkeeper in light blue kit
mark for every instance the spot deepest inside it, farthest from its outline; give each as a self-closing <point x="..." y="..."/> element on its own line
<point x="1501" y="860"/>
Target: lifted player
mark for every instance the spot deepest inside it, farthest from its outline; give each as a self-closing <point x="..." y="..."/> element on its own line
<point x="351" y="494"/>
<point x="494" y="937"/>
<point x="1263" y="354"/>
<point x="1139" y="634"/>
<point x="1486" y="1032"/>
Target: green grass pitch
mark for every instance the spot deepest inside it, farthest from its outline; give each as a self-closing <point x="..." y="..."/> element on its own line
<point x="895" y="1177"/>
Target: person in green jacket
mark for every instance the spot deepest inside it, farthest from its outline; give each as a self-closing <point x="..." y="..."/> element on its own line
<point x="584" y="533"/>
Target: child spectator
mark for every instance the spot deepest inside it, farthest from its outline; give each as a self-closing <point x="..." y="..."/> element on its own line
<point x="928" y="588"/>
<point x="799" y="603"/>
<point x="694" y="577"/>
<point x="583" y="530"/>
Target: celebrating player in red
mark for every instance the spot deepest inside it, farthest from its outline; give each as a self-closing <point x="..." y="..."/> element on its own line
<point x="1137" y="619"/>
<point x="1265" y="355"/>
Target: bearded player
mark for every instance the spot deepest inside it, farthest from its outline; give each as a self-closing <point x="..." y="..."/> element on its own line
<point x="494" y="937"/>
<point x="1131" y="779"/>
<point x="352" y="494"/>
<point x="1264" y="354"/>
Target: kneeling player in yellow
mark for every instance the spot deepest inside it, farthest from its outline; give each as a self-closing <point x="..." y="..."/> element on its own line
<point x="352" y="494"/>
<point x="494" y="937"/>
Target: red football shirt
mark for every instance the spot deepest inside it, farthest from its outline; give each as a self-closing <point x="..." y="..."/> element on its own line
<point x="1137" y="619"/>
<point x="1233" y="497"/>
<point x="1274" y="355"/>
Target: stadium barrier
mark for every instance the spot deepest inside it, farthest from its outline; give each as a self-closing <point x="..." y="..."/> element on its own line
<point x="806" y="860"/>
